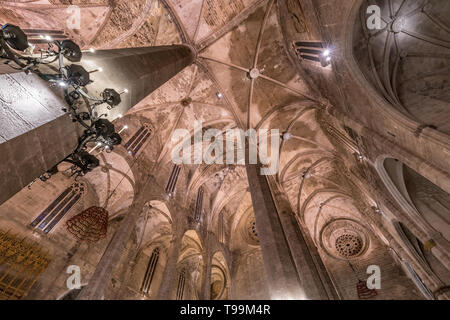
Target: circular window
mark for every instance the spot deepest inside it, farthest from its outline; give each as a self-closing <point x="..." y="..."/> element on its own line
<point x="249" y="230"/>
<point x="349" y="245"/>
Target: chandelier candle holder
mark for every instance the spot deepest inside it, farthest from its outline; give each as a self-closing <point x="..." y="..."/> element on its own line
<point x="21" y="264"/>
<point x="91" y="225"/>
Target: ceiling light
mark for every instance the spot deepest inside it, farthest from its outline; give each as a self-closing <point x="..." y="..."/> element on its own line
<point x="326" y="53"/>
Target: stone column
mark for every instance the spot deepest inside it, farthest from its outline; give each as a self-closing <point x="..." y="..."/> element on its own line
<point x="290" y="270"/>
<point x="169" y="277"/>
<point x="100" y="280"/>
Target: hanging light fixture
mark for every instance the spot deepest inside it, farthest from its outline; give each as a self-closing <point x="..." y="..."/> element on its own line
<point x="90" y="225"/>
<point x="14" y="37"/>
<point x="111" y="97"/>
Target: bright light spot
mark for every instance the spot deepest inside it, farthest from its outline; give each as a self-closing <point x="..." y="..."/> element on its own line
<point x="41" y="36"/>
<point x="126" y="91"/>
<point x="287" y="136"/>
<point x="92" y="50"/>
<point x="99" y="144"/>
<point x="126" y="127"/>
<point x="120" y="116"/>
<point x="48" y="38"/>
<point x="329" y="59"/>
<point x="326" y="53"/>
<point x="219" y="95"/>
<point x="62" y="84"/>
<point x="100" y="69"/>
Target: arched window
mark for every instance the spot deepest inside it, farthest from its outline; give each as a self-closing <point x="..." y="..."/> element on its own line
<point x="426" y="203"/>
<point x="50" y="217"/>
<point x="181" y="284"/>
<point x="199" y="205"/>
<point x="21" y="264"/>
<point x="150" y="272"/>
<point x="221" y="228"/>
<point x="171" y="184"/>
<point x="138" y="140"/>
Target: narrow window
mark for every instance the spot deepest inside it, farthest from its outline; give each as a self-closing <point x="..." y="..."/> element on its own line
<point x="181" y="284"/>
<point x="150" y="272"/>
<point x="138" y="140"/>
<point x="170" y="188"/>
<point x="199" y="205"/>
<point x="50" y="217"/>
<point x="36" y="36"/>
<point x="21" y="265"/>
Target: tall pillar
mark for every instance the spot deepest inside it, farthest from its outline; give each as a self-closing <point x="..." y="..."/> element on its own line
<point x="290" y="271"/>
<point x="35" y="133"/>
<point x="170" y="272"/>
<point x="100" y="280"/>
